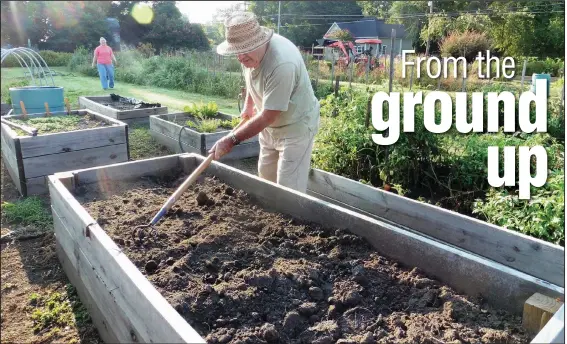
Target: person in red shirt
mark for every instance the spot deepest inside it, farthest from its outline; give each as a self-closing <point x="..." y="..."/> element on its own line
<point x="103" y="55"/>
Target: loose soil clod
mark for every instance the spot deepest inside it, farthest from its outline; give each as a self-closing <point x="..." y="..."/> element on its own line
<point x="240" y="274"/>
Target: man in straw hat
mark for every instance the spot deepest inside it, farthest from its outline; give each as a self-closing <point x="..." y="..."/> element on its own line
<point x="280" y="103"/>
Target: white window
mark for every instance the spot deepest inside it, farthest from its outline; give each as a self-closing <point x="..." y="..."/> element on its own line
<point x="359" y="49"/>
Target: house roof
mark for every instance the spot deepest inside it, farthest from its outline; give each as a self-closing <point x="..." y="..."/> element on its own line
<point x="372" y="28"/>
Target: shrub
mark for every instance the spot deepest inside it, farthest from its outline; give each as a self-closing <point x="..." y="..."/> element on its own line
<point x="202" y="111"/>
<point x="467" y="44"/>
<point x="6" y="98"/>
<point x="52" y="58"/>
<point x="542" y="216"/>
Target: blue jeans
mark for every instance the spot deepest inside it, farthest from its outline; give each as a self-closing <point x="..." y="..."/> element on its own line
<point x="106" y="74"/>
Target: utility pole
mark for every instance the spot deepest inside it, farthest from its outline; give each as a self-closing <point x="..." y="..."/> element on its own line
<point x="430" y="4"/>
<point x="279" y="12"/>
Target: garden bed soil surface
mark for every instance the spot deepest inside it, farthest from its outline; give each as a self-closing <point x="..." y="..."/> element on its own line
<point x="240" y="274"/>
<point x="124" y="105"/>
<point x="59" y="124"/>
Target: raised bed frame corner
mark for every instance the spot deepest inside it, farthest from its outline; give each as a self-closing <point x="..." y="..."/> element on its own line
<point x="137" y="116"/>
<point x="29" y="160"/>
<point x="180" y="139"/>
<point x="125" y="307"/>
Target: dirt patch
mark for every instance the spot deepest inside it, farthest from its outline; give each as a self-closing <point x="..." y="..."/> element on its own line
<point x="240" y="274"/>
<point x="58" y="124"/>
<point x="31" y="277"/>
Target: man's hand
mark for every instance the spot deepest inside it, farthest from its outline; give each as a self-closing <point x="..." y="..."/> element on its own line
<point x="222" y="147"/>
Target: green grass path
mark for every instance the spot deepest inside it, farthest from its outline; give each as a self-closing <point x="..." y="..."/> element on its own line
<point x="75" y="85"/>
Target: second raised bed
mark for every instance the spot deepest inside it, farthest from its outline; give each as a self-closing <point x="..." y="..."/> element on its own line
<point x="171" y="131"/>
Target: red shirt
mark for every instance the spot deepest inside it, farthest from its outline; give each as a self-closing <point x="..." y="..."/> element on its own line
<point x="103" y="54"/>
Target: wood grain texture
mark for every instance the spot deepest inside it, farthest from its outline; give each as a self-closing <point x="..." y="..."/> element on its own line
<point x="127" y="170"/>
<point x="8" y="147"/>
<point x="48" y="164"/>
<point x="538" y="309"/>
<point x="173" y="144"/>
<point x="532" y="256"/>
<point x="172" y="130"/>
<point x="94" y="103"/>
<point x="125" y="294"/>
<point x="71" y="141"/>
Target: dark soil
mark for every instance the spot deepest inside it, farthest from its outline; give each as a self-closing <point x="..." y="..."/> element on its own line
<point x="240" y="274"/>
<point x="122" y="103"/>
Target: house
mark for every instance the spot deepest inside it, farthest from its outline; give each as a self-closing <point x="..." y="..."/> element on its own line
<point x="372" y="28"/>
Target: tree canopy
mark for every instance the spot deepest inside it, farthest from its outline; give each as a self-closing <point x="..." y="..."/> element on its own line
<point x="65" y="25"/>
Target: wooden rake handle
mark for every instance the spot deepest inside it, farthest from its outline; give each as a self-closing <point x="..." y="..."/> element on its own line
<point x="183" y="187"/>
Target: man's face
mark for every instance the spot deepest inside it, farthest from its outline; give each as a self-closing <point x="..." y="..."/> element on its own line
<point x="253" y="58"/>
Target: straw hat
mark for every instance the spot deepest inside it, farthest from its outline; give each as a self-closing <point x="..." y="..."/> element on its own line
<point x="243" y="34"/>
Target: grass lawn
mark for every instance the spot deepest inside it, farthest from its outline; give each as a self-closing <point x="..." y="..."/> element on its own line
<point x="75" y="85"/>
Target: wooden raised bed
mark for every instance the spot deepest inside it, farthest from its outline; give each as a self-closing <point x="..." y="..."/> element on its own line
<point x="127" y="116"/>
<point x="182" y="139"/>
<point x="532" y="256"/>
<point x="29" y="159"/>
<point x="126" y="307"/>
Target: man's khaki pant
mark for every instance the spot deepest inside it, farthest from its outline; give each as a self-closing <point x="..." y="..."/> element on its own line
<point x="286" y="161"/>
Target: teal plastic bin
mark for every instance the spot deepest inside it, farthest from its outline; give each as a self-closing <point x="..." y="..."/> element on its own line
<point x="535" y="77"/>
<point x="35" y="97"/>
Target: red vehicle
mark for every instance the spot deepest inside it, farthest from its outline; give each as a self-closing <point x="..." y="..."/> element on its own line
<point x="349" y="50"/>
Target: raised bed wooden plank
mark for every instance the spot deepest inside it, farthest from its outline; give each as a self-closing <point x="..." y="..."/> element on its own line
<point x="92" y="291"/>
<point x="37" y="185"/>
<point x="47" y="164"/>
<point x="151" y="317"/>
<point x="465" y="272"/>
<point x="79" y="140"/>
<point x="8" y="147"/>
<point x="94" y="103"/>
<point x="501" y="245"/>
<point x="138" y="113"/>
<point x="128" y="170"/>
<point x="173" y="144"/>
<point x="172" y="130"/>
<point x="554" y="330"/>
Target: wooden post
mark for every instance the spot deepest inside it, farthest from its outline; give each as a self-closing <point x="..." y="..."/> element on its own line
<point x="368" y="109"/>
<point x="317" y="73"/>
<point x="538" y="309"/>
<point x="68" y="106"/>
<point x="47" y="114"/>
<point x="23" y="109"/>
<point x="392" y="60"/>
<point x="411" y="77"/>
<point x="524" y="72"/>
<point x="332" y="67"/>
<point x="367" y="69"/>
<point x="337" y="86"/>
<point x="351" y="74"/>
<point x="440" y="75"/>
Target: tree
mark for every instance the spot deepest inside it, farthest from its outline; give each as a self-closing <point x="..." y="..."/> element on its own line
<point x="297" y="21"/>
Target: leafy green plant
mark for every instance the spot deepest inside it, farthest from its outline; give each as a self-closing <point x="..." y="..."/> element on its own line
<point x="27" y="211"/>
<point x="229" y="124"/>
<point x="202" y="111"/>
<point x="209" y="125"/>
<point x="542" y="216"/>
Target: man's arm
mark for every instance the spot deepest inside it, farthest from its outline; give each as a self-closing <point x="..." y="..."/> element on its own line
<point x="94" y="58"/>
<point x="113" y="57"/>
<point x="256" y="124"/>
<point x="248" y="110"/>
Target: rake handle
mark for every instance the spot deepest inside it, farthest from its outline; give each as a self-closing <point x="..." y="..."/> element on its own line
<point x="183" y="187"/>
